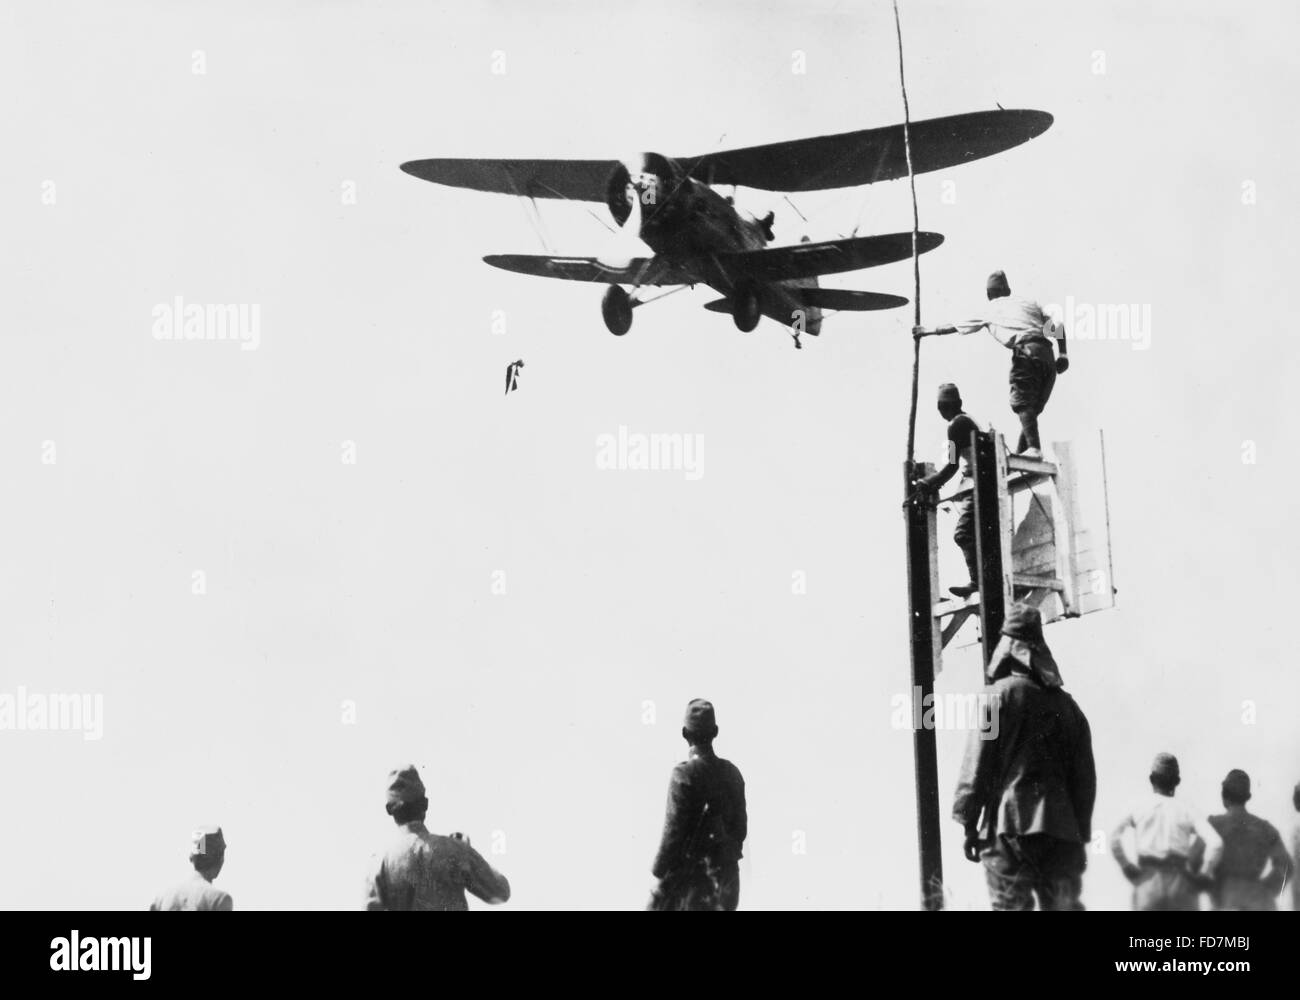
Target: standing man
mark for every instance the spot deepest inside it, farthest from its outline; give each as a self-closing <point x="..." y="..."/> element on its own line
<point x="422" y="870"/>
<point x="1177" y="848"/>
<point x="705" y="825"/>
<point x="1031" y="777"/>
<point x="207" y="855"/>
<point x="1295" y="853"/>
<point x="960" y="428"/>
<point x="1021" y="326"/>
<point x="1255" y="865"/>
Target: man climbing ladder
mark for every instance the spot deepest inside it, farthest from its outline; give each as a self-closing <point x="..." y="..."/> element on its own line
<point x="961" y="425"/>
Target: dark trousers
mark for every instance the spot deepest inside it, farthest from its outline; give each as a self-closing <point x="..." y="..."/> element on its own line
<point x="703" y="887"/>
<point x="964" y="536"/>
<point x="729" y="886"/>
<point x="1018" y="869"/>
<point x="1033" y="374"/>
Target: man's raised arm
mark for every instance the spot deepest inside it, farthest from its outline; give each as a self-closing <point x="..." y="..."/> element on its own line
<point x="484" y="881"/>
<point x="964" y="327"/>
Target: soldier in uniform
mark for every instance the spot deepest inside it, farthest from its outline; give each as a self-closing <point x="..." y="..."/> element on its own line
<point x="1177" y="848"/>
<point x="1295" y="853"/>
<point x="422" y="870"/>
<point x="1021" y="326"/>
<point x="1255" y="864"/>
<point x="1031" y="777"/>
<point x="704" y="827"/>
<point x="207" y="855"/>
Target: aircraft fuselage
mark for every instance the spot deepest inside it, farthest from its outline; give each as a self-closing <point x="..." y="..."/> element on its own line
<point x="682" y="218"/>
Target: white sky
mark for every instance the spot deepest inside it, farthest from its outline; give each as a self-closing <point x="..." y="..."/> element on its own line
<point x="371" y="582"/>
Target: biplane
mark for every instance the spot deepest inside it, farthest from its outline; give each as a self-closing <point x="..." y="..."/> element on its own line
<point x="698" y="236"/>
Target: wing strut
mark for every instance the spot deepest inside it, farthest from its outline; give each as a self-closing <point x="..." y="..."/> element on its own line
<point x="584" y="207"/>
<point x="661" y="295"/>
<point x="535" y="219"/>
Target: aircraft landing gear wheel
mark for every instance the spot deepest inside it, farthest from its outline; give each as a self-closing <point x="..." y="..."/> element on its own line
<point x="616" y="307"/>
<point x="744" y="307"/>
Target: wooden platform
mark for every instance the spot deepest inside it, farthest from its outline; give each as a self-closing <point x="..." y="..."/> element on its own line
<point x="1048" y="557"/>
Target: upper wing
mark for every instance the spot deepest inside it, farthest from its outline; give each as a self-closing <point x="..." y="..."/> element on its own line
<point x="580" y="180"/>
<point x="877" y="154"/>
<point x="808" y="260"/>
<point x="828" y="161"/>
<point x="638" y="271"/>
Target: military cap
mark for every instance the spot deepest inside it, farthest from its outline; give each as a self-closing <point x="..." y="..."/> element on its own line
<point x="1022" y="641"/>
<point x="207" y="841"/>
<point x="404" y="785"/>
<point x="1236" y="785"/>
<point x="699" y="717"/>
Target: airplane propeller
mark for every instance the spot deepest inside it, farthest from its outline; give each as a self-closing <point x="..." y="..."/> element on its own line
<point x="627" y="242"/>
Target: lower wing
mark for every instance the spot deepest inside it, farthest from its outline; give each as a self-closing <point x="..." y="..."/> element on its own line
<point x="770" y="264"/>
<point x="637" y="271"/>
<point x="841" y="299"/>
<point x="808" y="260"/>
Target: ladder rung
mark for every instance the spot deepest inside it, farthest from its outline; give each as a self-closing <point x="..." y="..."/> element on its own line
<point x="1031" y="473"/>
<point x="1018" y="463"/>
<point x="955" y="604"/>
<point x="1037" y="582"/>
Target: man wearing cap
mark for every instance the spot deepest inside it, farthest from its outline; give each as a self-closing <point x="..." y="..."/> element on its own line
<point x="422" y="870"/>
<point x="704" y="827"/>
<point x="1021" y="326"/>
<point x="1255" y="865"/>
<point x="207" y="855"/>
<point x="1031" y="777"/>
<point x="960" y="428"/>
<point x="1177" y="849"/>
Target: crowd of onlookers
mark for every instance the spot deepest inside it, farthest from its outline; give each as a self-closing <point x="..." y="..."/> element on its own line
<point x="1026" y="792"/>
<point x="1238" y="859"/>
<point x="1024" y="797"/>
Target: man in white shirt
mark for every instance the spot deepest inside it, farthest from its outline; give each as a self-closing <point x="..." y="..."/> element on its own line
<point x="1021" y="326"/>
<point x="1177" y="848"/>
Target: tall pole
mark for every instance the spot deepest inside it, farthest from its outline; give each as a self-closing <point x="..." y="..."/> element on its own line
<point x="988" y="541"/>
<point x="920" y="526"/>
<point x="916" y="257"/>
<point x="920" y="601"/>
